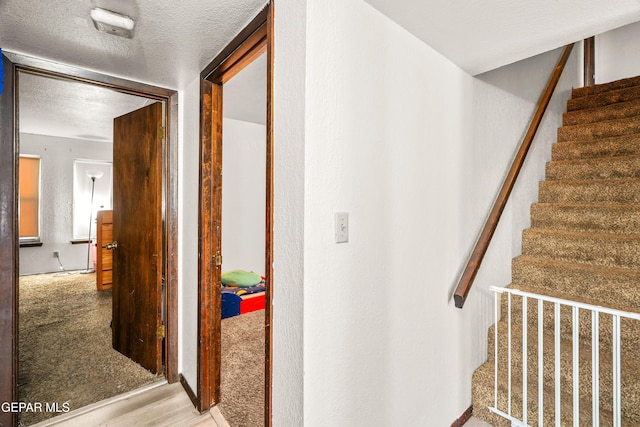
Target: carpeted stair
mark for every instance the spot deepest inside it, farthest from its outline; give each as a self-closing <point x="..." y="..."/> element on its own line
<point x="583" y="245"/>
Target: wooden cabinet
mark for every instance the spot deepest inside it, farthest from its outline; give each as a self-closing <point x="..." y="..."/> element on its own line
<point x="104" y="257"/>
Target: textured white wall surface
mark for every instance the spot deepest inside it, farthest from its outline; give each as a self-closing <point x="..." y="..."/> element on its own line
<point x="243" y="196"/>
<point x="288" y="229"/>
<point x="414" y="149"/>
<point x="188" y="178"/>
<point x="618" y="54"/>
<point x="384" y="142"/>
<point x="56" y="210"/>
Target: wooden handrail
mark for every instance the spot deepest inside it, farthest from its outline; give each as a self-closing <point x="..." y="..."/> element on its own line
<point x="473" y="264"/>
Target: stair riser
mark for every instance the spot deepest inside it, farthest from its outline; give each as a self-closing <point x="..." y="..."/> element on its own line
<point x="598" y="219"/>
<point x="612" y="168"/>
<point x="608" y="112"/>
<point x="593" y="191"/>
<point x="628" y="145"/>
<point x="607" y="98"/>
<point x="585" y="248"/>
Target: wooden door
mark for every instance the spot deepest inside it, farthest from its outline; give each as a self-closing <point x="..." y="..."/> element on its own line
<point x="137" y="229"/>
<point x="104" y="256"/>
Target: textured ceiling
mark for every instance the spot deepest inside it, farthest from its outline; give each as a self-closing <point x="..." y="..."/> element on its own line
<point x="70" y="109"/>
<point x="480" y="36"/>
<point x="173" y="40"/>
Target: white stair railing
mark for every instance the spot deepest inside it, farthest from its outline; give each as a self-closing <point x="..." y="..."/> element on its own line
<point x="575" y="307"/>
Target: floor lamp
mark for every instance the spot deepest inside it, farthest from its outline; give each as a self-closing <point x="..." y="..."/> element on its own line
<point x="93" y="174"/>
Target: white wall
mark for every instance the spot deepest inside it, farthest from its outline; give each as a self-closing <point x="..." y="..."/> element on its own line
<point x="288" y="231"/>
<point x="414" y="149"/>
<point x="385" y="130"/>
<point x="617" y="54"/>
<point x="188" y="181"/>
<point x="243" y="196"/>
<point x="56" y="208"/>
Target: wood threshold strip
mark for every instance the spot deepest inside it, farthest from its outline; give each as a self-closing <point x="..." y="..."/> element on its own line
<point x="480" y="249"/>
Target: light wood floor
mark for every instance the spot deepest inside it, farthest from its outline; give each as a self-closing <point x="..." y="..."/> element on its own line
<point x="158" y="405"/>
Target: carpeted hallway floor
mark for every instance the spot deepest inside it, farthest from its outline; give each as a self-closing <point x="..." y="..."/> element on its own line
<point x="242" y="370"/>
<point x="65" y="345"/>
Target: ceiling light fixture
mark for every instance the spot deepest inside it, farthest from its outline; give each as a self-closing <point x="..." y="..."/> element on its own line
<point x="112" y="22"/>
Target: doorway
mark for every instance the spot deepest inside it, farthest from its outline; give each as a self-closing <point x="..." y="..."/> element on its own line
<point x="22" y="69"/>
<point x="248" y="47"/>
<point x="243" y="245"/>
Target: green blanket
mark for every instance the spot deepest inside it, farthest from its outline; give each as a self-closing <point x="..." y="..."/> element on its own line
<point x="241" y="278"/>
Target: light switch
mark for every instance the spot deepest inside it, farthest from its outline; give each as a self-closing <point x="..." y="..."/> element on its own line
<point x="342" y="227"/>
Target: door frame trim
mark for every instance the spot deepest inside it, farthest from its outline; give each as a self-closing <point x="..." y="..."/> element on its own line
<point x="8" y="246"/>
<point x="251" y="42"/>
<point x="33" y="65"/>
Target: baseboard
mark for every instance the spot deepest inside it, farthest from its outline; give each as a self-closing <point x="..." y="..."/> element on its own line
<point x="189" y="391"/>
<point x="463" y="418"/>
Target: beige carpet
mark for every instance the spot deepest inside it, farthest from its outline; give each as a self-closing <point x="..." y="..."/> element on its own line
<point x="65" y="345"/>
<point x="242" y="371"/>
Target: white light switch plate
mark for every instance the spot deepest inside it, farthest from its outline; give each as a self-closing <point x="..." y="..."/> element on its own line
<point x="342" y="227"/>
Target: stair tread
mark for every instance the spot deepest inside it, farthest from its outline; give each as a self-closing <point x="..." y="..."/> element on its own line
<point x="579" y="92"/>
<point x="594" y="190"/>
<point x="606" y="286"/>
<point x="602" y="113"/>
<point x="618" y="237"/>
<point x="600" y="129"/>
<point x="608" y="217"/>
<point x="604" y="123"/>
<point x="596" y="181"/>
<point x="620" y="206"/>
<point x="609" y="159"/>
<point x="616" y="145"/>
<point x="614" y="167"/>
<point x="604" y="98"/>
<point x="567" y="265"/>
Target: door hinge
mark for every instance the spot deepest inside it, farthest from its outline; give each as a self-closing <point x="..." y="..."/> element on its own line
<point x="163" y="132"/>
<point x="160" y="331"/>
<point x="218" y="258"/>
